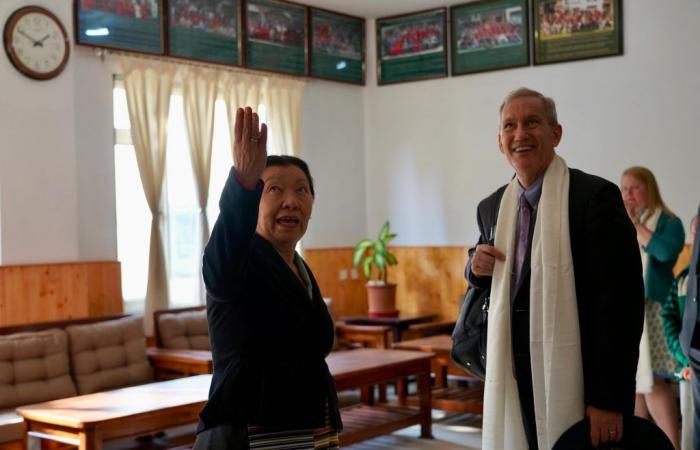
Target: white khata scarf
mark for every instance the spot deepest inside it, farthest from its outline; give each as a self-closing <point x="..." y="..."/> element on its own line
<point x="645" y="373"/>
<point x="555" y="343"/>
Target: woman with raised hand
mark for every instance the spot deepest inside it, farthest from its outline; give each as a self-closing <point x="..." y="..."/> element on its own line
<point x="270" y="330"/>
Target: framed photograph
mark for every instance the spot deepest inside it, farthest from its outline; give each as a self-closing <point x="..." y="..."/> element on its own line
<point x="412" y="46"/>
<point x="133" y="25"/>
<point x="337" y="46"/>
<point x="276" y="36"/>
<point x="205" y="30"/>
<point x="489" y="35"/>
<point x="567" y="30"/>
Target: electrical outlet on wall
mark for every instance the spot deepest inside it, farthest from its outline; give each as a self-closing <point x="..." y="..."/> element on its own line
<point x="343" y="274"/>
<point x="353" y="274"/>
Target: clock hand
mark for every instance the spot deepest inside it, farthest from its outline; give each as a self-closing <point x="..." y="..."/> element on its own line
<point x="40" y="42"/>
<point x="28" y="37"/>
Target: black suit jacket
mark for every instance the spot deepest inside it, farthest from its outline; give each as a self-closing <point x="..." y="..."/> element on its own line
<point x="269" y="339"/>
<point x="690" y="335"/>
<point x="609" y="288"/>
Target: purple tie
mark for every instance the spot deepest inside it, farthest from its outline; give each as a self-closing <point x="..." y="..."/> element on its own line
<point x="524" y="213"/>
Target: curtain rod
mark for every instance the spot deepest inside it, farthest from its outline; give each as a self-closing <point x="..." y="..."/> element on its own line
<point x="103" y="51"/>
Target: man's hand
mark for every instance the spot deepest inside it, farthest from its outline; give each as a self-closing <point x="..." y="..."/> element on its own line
<point x="249" y="147"/>
<point x="606" y="426"/>
<point x="484" y="259"/>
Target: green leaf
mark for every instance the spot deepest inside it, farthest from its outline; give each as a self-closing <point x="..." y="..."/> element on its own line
<point x="391" y="259"/>
<point x="390" y="238"/>
<point x="379" y="260"/>
<point x="379" y="247"/>
<point x="367" y="267"/>
<point x="384" y="232"/>
<point x="360" y="250"/>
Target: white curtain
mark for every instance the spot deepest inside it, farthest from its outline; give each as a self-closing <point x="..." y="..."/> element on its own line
<point x="148" y="86"/>
<point x="199" y="87"/>
<point x="282" y="97"/>
<point x="240" y="90"/>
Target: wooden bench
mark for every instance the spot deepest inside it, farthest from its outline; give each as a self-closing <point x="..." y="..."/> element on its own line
<point x="464" y="399"/>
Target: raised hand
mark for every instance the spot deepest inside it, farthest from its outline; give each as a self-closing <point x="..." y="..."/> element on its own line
<point x="249" y="147"/>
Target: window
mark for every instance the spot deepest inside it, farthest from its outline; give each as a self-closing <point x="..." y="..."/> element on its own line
<point x="180" y="227"/>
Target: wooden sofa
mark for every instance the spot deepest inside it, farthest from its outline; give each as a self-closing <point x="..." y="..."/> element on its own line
<point x="52" y="360"/>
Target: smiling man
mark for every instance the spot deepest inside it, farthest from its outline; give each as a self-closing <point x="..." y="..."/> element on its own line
<point x="567" y="297"/>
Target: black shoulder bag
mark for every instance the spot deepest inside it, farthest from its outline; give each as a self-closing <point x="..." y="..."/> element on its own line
<point x="469" y="335"/>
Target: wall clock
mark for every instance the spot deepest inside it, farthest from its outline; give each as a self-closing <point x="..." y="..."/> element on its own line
<point x="36" y="42"/>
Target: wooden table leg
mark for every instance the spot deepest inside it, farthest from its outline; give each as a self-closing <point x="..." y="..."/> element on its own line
<point x="424" y="393"/>
<point x="30" y="442"/>
<point x="402" y="390"/>
<point x="90" y="439"/>
<point x="367" y="395"/>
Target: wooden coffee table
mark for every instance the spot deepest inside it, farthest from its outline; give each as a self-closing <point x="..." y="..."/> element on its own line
<point x="172" y="363"/>
<point x="366" y="367"/>
<point x="397" y="324"/>
<point x="458" y="398"/>
<point x="87" y="421"/>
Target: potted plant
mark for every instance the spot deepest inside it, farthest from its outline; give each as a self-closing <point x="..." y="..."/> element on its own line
<point x="381" y="294"/>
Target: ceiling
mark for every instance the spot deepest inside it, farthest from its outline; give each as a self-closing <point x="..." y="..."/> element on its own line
<point x="379" y="8"/>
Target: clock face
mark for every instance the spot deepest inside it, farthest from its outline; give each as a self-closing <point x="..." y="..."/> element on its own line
<point x="36" y="42"/>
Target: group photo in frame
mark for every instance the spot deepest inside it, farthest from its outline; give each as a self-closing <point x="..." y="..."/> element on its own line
<point x="412" y="46"/>
<point x="337" y="49"/>
<point x="132" y="25"/>
<point x="205" y="30"/>
<point x="567" y="30"/>
<point x="489" y="35"/>
<point x="276" y="37"/>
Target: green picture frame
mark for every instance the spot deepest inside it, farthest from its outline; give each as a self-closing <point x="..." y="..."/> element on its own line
<point x="276" y="36"/>
<point x="489" y="35"/>
<point x="205" y="30"/>
<point x="134" y="27"/>
<point x="336" y="46"/>
<point x="563" y="32"/>
<point x="412" y="46"/>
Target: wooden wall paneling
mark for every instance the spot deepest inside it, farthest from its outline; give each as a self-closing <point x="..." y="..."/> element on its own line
<point x="104" y="288"/>
<point x="429" y="280"/>
<point x="349" y="296"/>
<point x="46" y="292"/>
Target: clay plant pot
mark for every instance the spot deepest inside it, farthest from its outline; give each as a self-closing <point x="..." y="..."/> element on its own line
<point x="382" y="300"/>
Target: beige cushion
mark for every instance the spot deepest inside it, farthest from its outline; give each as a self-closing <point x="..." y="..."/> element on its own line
<point x="109" y="355"/>
<point x="11" y="427"/>
<point x="185" y="330"/>
<point x="34" y="368"/>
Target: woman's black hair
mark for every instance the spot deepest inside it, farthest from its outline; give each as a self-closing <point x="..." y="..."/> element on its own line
<point x="286" y="161"/>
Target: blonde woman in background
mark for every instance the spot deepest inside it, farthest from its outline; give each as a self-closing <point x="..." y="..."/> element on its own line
<point x="661" y="237"/>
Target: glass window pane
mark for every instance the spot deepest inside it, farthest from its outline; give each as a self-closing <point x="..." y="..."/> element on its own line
<point x="121" y="110"/>
<point x="184" y="247"/>
<point x="221" y="160"/>
<point x="133" y="224"/>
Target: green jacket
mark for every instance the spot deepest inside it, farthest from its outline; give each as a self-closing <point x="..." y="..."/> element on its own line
<point x="663" y="249"/>
<point x="672" y="315"/>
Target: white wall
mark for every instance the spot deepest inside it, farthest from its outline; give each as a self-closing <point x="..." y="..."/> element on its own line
<point x="333" y="145"/>
<point x="432" y="153"/>
<point x="37" y="159"/>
